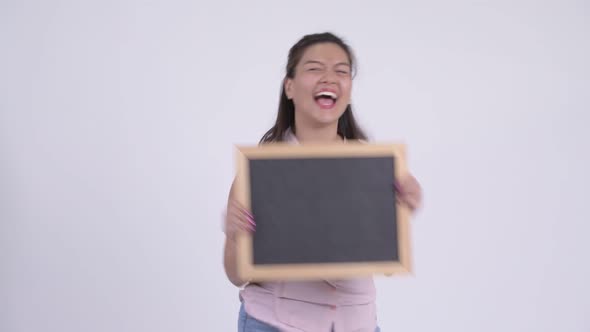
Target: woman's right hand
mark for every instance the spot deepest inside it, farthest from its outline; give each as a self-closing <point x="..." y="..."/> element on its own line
<point x="238" y="219"/>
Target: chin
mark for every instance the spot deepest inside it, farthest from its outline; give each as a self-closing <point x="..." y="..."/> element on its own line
<point x="321" y="117"/>
<point x="324" y="121"/>
<point x="328" y="116"/>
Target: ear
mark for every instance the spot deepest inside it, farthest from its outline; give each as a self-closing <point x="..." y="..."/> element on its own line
<point x="289" y="88"/>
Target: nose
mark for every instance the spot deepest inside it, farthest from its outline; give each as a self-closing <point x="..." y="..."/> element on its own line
<point x="329" y="77"/>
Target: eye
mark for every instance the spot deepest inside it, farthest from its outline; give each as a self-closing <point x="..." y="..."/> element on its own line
<point x="345" y="72"/>
<point x="313" y="69"/>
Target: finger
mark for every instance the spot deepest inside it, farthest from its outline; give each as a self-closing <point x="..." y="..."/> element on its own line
<point x="411" y="201"/>
<point x="246" y="228"/>
<point x="404" y="186"/>
<point x="243" y="215"/>
<point x="250" y="223"/>
<point x="410" y="186"/>
<point x="241" y="208"/>
<point x="412" y="204"/>
<point x="240" y="220"/>
<point x="233" y="221"/>
<point x="412" y="195"/>
<point x="398" y="186"/>
<point x="412" y="190"/>
<point x="240" y="228"/>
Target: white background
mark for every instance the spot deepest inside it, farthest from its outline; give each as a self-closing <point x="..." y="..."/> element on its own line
<point x="117" y="125"/>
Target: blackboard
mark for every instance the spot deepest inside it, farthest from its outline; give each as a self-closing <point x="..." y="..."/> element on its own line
<point x="322" y="211"/>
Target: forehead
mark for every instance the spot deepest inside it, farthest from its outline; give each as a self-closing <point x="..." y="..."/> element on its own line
<point x="328" y="53"/>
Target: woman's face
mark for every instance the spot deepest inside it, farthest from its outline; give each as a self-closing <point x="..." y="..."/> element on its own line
<point x="322" y="84"/>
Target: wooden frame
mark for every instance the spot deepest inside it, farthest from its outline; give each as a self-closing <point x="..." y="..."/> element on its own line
<point x="252" y="273"/>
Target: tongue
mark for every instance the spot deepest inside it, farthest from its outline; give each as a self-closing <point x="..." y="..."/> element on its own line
<point x="327" y="102"/>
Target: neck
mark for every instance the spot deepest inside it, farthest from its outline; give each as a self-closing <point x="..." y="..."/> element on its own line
<point x="323" y="134"/>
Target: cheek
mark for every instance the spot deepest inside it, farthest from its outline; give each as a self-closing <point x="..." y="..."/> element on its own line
<point x="346" y="92"/>
<point x="303" y="92"/>
<point x="346" y="97"/>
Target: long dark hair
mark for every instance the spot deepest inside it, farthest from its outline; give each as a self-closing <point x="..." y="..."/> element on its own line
<point x="347" y="125"/>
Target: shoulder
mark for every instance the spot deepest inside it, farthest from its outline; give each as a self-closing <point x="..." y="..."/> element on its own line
<point x="358" y="141"/>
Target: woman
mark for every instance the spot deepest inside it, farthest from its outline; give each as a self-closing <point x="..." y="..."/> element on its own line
<point x="314" y="107"/>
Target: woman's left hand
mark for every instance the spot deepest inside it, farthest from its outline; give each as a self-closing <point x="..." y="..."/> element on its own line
<point x="409" y="192"/>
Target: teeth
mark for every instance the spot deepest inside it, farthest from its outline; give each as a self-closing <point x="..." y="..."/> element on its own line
<point x="326" y="94"/>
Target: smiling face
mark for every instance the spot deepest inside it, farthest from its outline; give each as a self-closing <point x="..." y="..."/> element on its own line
<point x="321" y="86"/>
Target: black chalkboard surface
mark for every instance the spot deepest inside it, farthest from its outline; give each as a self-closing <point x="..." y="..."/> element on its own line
<point x="322" y="211"/>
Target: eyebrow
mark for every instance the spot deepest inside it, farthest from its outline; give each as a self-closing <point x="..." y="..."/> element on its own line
<point x="321" y="63"/>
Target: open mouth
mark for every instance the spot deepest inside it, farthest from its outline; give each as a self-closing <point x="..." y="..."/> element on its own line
<point x="326" y="99"/>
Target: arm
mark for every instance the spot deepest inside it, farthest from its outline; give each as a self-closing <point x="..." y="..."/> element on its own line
<point x="237" y="220"/>
<point x="229" y="261"/>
